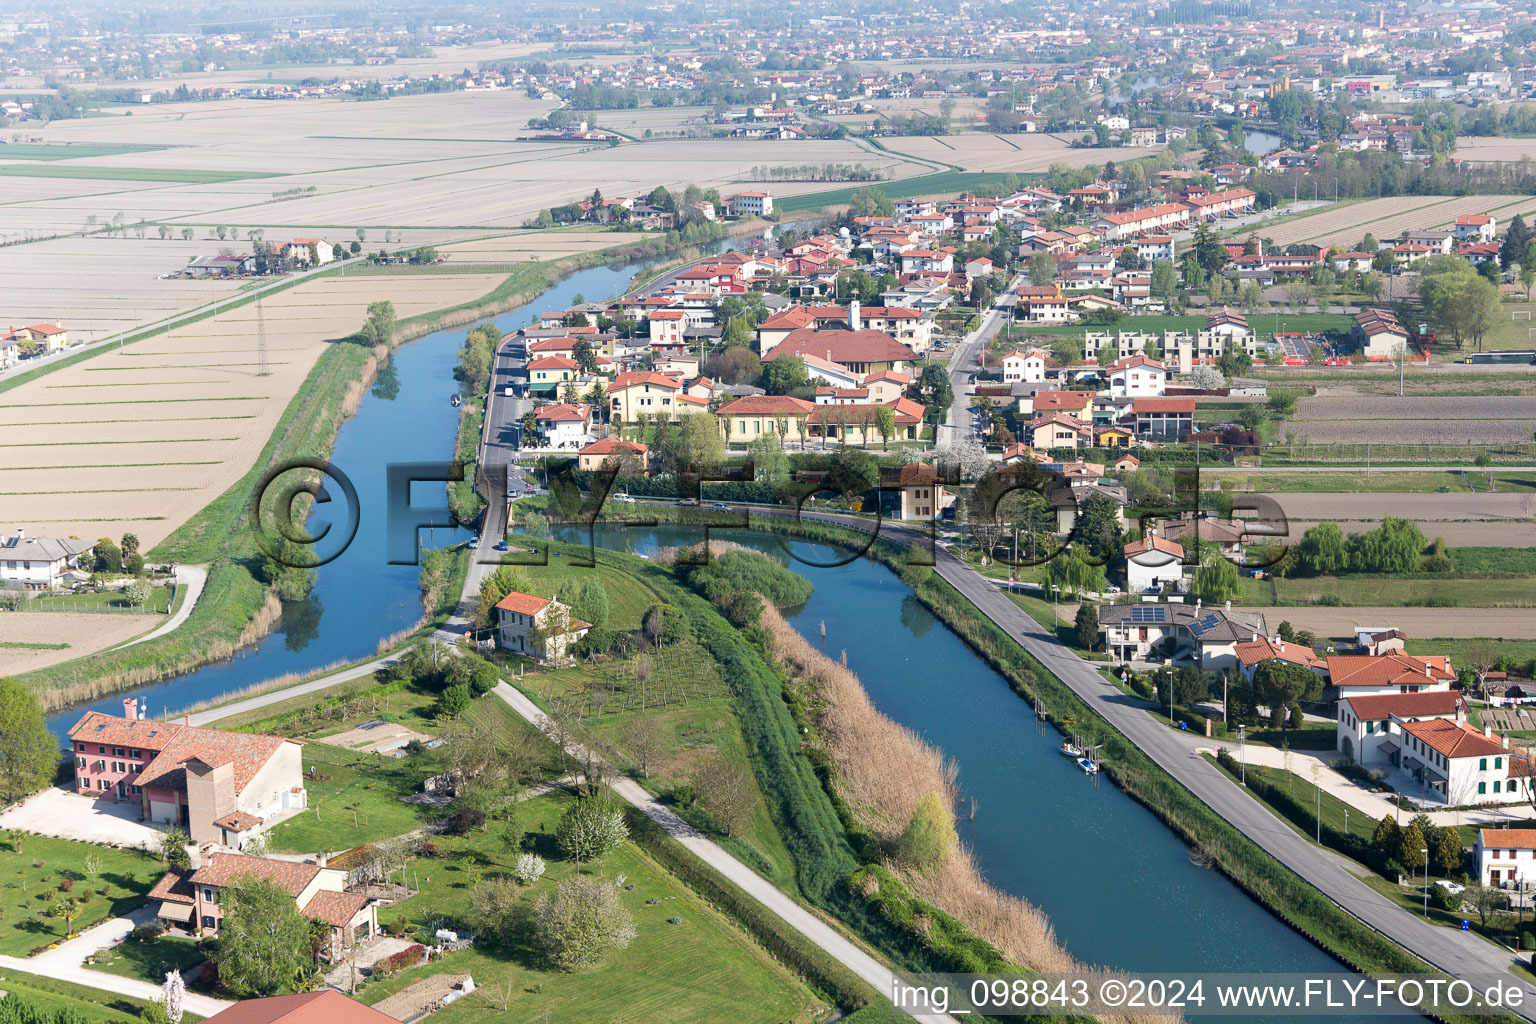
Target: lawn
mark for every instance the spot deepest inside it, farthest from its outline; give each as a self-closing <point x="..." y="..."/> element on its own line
<point x="689" y="706"/>
<point x="159" y="602"/>
<point x="1338" y="483"/>
<point x="703" y="968"/>
<point x="90" y="1005"/>
<point x="148" y="961"/>
<point x="31" y="877"/>
<point x="356" y="801"/>
<point x="1264" y="325"/>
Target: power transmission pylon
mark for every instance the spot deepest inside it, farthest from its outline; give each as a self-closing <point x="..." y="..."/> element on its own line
<point x="262" y="369"/>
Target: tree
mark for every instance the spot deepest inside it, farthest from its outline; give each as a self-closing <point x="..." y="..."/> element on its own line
<point x="935" y="391"/>
<point x="136" y="592"/>
<point x="28" y="752"/>
<point x="65" y="908"/>
<point x="528" y="868"/>
<point x="1207" y="378"/>
<point x="1484" y="900"/>
<point x="770" y="464"/>
<point x="1042" y="268"/>
<point x="1234" y="361"/>
<point x="453" y="702"/>
<point x="590" y="829"/>
<point x="1409" y="847"/>
<point x="1448" y="851"/>
<point x="264" y="939"/>
<point x="1322" y="550"/>
<point x="581" y="922"/>
<point x="380" y="323"/>
<point x="154" y="1012"/>
<point x="1087" y="626"/>
<point x="1209" y="251"/>
<point x="1165" y="278"/>
<point x="727" y="793"/>
<point x="785" y="374"/>
<point x="494" y="906"/>
<point x="173" y="848"/>
<point x="1517" y="237"/>
<point x="1278" y="683"/>
<point x="929" y="836"/>
<point x="173" y="993"/>
<point x="1217" y="580"/>
<point x="109" y="557"/>
<point x="1387" y="838"/>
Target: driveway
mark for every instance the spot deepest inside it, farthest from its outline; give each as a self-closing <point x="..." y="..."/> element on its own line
<point x="64" y="815"/>
<point x="192" y="577"/>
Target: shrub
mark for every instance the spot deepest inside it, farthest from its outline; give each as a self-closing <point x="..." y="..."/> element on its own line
<point x="66" y="885"/>
<point x="529" y="868"/>
<point x="395" y="963"/>
<point x="580" y="922"/>
<point x="590" y="829"/>
<point x="1330" y="600"/>
<point x="461" y="821"/>
<point x="148" y="932"/>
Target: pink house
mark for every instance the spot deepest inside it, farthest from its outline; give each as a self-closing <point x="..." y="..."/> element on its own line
<point x="223" y="787"/>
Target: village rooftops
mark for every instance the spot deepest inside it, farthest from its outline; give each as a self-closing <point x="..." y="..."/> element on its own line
<point x="767" y="405"/>
<point x="846" y="346"/>
<point x="611" y="444"/>
<point x="336" y="909"/>
<point x="1254" y="652"/>
<point x="1507" y="838"/>
<point x="1152" y="542"/>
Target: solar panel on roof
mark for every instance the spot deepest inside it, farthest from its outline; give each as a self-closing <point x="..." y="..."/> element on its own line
<point x="1204" y="625"/>
<point x="1149" y="613"/>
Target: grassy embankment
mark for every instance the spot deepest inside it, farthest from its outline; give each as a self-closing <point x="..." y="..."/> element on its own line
<point x="89" y="1005"/>
<point x="1266" y="879"/>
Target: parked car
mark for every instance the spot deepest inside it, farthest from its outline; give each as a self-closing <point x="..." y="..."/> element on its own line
<point x="688" y="502"/>
<point x="628" y="499"/>
<point x="1450" y="886"/>
<point x="720" y="506"/>
<point x="510" y="391"/>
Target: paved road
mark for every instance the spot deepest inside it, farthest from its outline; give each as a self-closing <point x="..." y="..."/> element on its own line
<point x="193" y="577"/>
<point x="67" y="963"/>
<point x="1462" y="954"/>
<point x="797" y="917"/>
<point x="962" y="362"/>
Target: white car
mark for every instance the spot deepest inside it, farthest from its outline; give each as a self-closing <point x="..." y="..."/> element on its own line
<point x="508" y="392"/>
<point x="628" y="499"/>
<point x="1450" y="886"/>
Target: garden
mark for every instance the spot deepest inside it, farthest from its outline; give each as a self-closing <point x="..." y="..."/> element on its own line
<point x="53" y="887"/>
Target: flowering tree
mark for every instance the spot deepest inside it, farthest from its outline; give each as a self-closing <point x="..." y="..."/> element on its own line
<point x="174" y="992"/>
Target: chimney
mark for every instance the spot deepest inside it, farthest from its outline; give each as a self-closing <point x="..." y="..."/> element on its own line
<point x="131" y="708"/>
<point x="853" y="314"/>
<point x="186" y="718"/>
<point x="1504" y="742"/>
<point x="1461" y="712"/>
<point x="1487" y="730"/>
<point x="1198" y="602"/>
<point x="1229" y="606"/>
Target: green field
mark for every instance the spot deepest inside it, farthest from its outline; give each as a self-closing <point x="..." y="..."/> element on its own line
<point x="1353" y="482"/>
<point x="628" y="598"/>
<point x="703" y="968"/>
<point x="159" y="602"/>
<point x="90" y="1005"/>
<point x="31" y="876"/>
<point x="148" y="961"/>
<point x="99" y="173"/>
<point x="1393" y="591"/>
<point x="358" y="802"/>
<point x="938" y="184"/>
<point x="44" y="151"/>
<point x="1518" y="651"/>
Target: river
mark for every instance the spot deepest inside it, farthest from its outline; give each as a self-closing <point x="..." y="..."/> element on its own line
<point x="1117" y="885"/>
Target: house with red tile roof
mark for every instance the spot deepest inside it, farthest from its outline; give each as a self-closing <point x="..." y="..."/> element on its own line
<point x="594" y="455"/>
<point x="1152" y="562"/>
<point x="861" y="352"/>
<point x="563" y="423"/>
<point x="537" y="627"/>
<point x="190" y="899"/>
<point x="1459" y="764"/>
<point x="637" y="393"/>
<point x="1366" y="723"/>
<point x="1506" y="857"/>
<point x="1253" y="653"/>
<point x="223" y="787"/>
<point x="1357" y="675"/>
<point x="324" y="1007"/>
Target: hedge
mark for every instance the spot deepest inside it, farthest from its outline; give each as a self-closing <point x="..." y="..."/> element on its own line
<point x="1302" y="814"/>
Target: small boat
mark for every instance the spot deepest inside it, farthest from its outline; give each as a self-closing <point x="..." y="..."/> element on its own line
<point x="1070" y="749"/>
<point x="457" y="400"/>
<point x="1088" y="765"/>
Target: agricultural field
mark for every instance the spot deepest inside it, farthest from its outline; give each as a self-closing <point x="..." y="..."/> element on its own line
<point x="1451" y="623"/>
<point x="1388" y="218"/>
<point x="1001" y="153"/>
<point x="1415" y="419"/>
<point x="157" y="430"/>
<point x="1505" y="519"/>
<point x="522" y="246"/>
<point x="1494" y="149"/>
<point x="33" y="640"/>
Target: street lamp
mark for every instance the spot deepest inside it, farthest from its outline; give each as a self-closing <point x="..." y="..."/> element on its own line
<point x="1425" y="852"/>
<point x="1055" y="597"/>
<point x="1242" y="751"/>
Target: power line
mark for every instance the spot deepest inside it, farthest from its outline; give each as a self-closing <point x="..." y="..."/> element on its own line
<point x="262" y="370"/>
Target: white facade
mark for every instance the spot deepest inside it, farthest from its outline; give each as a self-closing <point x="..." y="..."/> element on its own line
<point x="1505" y="856"/>
<point x="1024" y="367"/>
<point x="37" y="563"/>
<point x="1138" y="377"/>
<point x="750" y="204"/>
<point x="1149" y="570"/>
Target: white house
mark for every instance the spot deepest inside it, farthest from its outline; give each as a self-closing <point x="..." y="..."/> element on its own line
<point x="1255" y="652"/>
<point x="563" y="424"/>
<point x="36" y="563"/>
<point x="1505" y="856"/>
<point x="1459" y="764"/>
<point x="917" y="261"/>
<point x="1354" y="675"/>
<point x="539" y="627"/>
<point x="1152" y="562"/>
<point x="1476" y="227"/>
<point x="1024" y="367"/>
<point x="1138" y="377"/>
<point x="10" y="352"/>
<point x="750" y="204"/>
<point x="1367" y="724"/>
